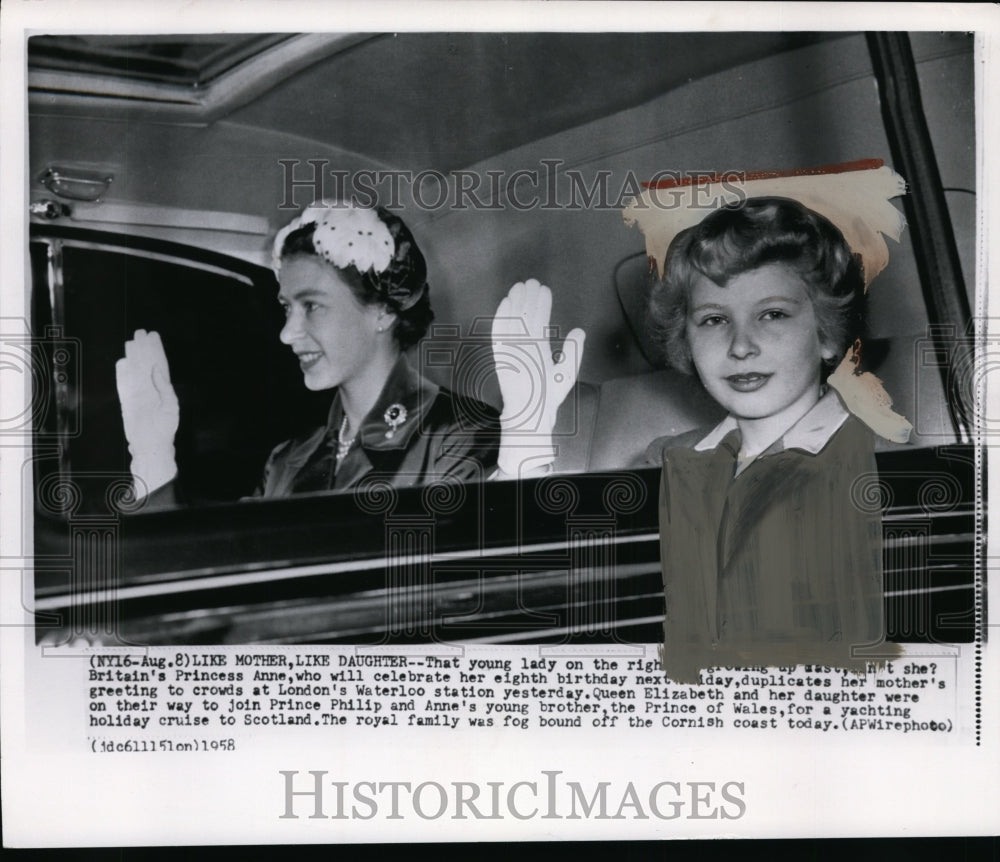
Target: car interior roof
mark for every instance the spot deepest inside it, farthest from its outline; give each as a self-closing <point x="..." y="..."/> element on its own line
<point x="362" y="90"/>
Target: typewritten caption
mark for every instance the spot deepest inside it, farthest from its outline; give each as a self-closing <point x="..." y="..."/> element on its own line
<point x="171" y="701"/>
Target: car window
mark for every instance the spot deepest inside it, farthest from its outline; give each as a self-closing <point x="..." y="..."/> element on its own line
<point x="238" y="387"/>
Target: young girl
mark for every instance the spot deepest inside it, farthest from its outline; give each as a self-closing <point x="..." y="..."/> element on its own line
<point x="768" y="557"/>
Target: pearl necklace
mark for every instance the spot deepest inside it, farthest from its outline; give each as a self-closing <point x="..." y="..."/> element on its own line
<point x="343" y="446"/>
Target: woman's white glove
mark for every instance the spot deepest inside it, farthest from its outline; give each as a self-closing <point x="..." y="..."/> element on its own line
<point x="149" y="411"/>
<point x="533" y="383"/>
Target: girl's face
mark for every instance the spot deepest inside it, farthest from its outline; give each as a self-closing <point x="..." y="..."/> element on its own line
<point x="755" y="343"/>
<point x="332" y="334"/>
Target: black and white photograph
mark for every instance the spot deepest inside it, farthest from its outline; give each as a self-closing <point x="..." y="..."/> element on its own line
<point x="403" y="417"/>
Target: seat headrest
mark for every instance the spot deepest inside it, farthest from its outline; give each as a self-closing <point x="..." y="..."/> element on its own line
<point x="634" y="278"/>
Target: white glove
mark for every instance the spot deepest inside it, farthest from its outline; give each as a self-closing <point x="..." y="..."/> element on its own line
<point x="149" y="411"/>
<point x="533" y="383"/>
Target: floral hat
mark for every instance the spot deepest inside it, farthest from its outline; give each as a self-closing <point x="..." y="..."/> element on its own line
<point x="371" y="240"/>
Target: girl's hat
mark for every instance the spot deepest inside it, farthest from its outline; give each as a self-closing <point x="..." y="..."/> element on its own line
<point x="854" y="196"/>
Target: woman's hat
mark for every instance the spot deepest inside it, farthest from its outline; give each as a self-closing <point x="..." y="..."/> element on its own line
<point x="372" y="240"/>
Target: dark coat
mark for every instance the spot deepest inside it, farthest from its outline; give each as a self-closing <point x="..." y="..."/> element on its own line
<point x="779" y="563"/>
<point x="443" y="436"/>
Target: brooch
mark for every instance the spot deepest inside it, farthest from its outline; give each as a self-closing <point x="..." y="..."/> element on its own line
<point x="394" y="416"/>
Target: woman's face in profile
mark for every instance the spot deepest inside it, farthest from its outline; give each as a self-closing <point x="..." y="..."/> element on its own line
<point x="755" y="342"/>
<point x="332" y="334"/>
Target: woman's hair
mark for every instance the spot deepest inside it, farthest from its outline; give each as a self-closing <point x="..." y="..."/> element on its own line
<point x="401" y="287"/>
<point x="761" y="231"/>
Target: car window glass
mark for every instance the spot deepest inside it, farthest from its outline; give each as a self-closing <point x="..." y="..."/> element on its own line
<point x="239" y="389"/>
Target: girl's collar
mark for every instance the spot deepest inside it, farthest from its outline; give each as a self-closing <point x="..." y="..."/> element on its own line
<point x="811" y="433"/>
